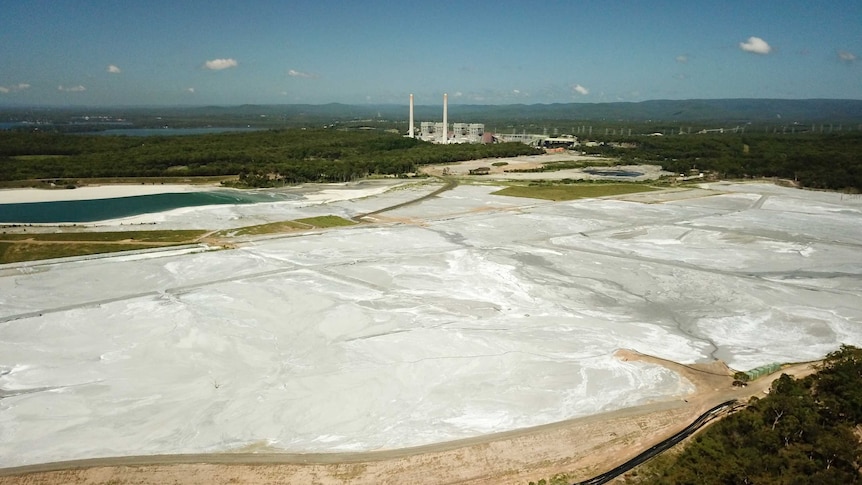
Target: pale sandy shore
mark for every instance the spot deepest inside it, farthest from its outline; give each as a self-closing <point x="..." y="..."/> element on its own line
<point x="20" y="196"/>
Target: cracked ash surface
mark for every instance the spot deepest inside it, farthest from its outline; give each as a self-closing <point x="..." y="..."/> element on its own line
<point x="484" y="314"/>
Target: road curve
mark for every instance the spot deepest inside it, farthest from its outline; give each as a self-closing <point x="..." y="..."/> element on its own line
<point x="659" y="447"/>
<point x="449" y="184"/>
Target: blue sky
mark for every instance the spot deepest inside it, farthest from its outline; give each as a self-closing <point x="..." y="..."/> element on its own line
<point x="188" y="52"/>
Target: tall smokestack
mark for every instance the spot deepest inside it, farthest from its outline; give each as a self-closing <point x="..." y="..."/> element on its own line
<point x="445" y="118"/>
<point x="410" y="133"/>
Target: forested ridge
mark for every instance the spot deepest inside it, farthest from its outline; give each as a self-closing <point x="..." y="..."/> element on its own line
<point x="283" y="156"/>
<point x="816" y="160"/>
<point x="826" y="161"/>
<point x="804" y="431"/>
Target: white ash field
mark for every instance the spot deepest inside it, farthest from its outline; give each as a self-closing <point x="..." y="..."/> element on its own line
<point x="470" y="314"/>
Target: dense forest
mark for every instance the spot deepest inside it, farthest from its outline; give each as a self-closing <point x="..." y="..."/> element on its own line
<point x="804" y="431"/>
<point x="268" y="157"/>
<point x="260" y="158"/>
<point x="825" y="161"/>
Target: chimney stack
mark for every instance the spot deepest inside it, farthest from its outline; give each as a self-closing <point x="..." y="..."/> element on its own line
<point x="445" y="118"/>
<point x="410" y="133"/>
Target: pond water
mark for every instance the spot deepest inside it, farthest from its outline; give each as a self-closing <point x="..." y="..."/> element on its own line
<point x="615" y="172"/>
<point x="103" y="209"/>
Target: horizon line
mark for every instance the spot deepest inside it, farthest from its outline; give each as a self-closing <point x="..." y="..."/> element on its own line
<point x="337" y="103"/>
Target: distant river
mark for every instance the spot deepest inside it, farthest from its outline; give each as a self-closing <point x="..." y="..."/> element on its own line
<point x="171" y="131"/>
<point x="103" y="209"/>
<point x="12" y="125"/>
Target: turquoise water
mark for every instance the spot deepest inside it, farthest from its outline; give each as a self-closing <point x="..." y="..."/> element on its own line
<point x="102" y="209"/>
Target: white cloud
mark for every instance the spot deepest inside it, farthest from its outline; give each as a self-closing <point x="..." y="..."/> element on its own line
<point x="14" y="88"/>
<point x="304" y="75"/>
<point x="458" y="94"/>
<point x="580" y="89"/>
<point x="755" y="45"/>
<point x="114" y="69"/>
<point x="682" y="59"/>
<point x="516" y="91"/>
<point x="845" y="56"/>
<point x="71" y="89"/>
<point x="191" y="90"/>
<point x="219" y="64"/>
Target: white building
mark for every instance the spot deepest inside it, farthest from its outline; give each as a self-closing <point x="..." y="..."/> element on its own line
<point x="438" y="132"/>
<point x="468" y="132"/>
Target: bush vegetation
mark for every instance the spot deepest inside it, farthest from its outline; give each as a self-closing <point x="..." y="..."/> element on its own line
<point x="274" y="157"/>
<point x="260" y="158"/>
<point x="822" y="161"/>
<point x="802" y="432"/>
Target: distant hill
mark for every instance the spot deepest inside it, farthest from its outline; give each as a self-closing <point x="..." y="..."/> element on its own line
<point x="735" y="110"/>
<point x="778" y="111"/>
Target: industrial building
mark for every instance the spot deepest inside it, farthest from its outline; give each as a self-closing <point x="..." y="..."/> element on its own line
<point x="439" y="132"/>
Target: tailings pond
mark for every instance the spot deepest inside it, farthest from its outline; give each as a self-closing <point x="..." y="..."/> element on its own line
<point x="66" y="211"/>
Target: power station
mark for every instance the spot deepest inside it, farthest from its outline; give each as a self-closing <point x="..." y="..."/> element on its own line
<point x="438" y="132"/>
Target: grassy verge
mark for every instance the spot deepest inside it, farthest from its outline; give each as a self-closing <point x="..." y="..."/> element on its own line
<point x="137" y="236"/>
<point x="11" y="252"/>
<point x="271" y="228"/>
<point x="326" y="221"/>
<point x="318" y="222"/>
<point x="572" y="191"/>
<point x="16" y="248"/>
<point x="19" y="247"/>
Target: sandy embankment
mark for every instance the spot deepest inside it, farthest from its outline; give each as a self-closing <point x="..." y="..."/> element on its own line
<point x="309" y="195"/>
<point x="583" y="447"/>
<point x="21" y="196"/>
<point x="318" y="193"/>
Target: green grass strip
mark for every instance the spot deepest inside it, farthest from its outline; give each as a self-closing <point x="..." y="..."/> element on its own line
<point x="271" y="228"/>
<point x="326" y="221"/>
<point x="167" y="236"/>
<point x="19" y="252"/>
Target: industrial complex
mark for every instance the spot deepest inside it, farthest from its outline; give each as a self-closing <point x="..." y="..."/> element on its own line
<point x="441" y="132"/>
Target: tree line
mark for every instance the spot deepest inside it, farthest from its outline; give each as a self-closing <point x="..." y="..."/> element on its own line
<point x="802" y="432"/>
<point x="822" y="161"/>
<point x="261" y="157"/>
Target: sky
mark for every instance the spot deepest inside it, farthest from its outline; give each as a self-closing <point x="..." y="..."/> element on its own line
<point x="217" y="52"/>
